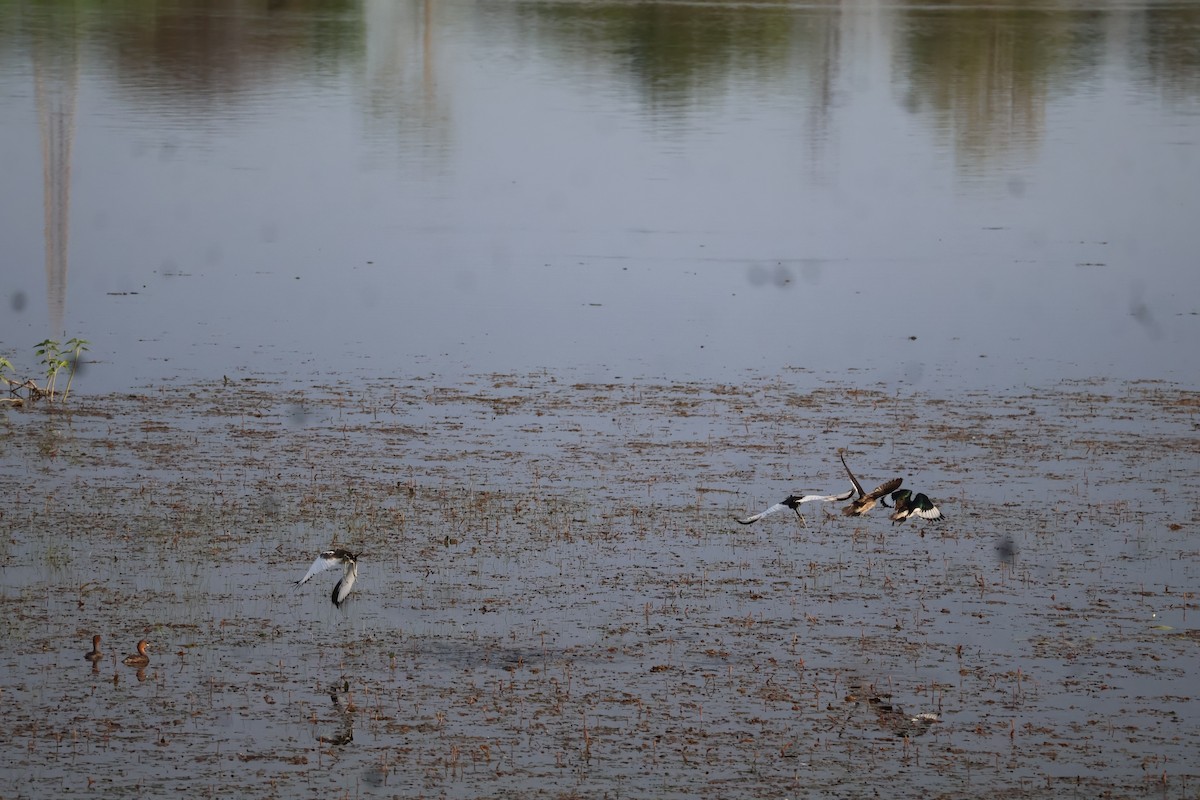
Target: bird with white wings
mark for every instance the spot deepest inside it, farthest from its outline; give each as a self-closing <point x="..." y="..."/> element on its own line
<point x="794" y="501"/>
<point x="919" y="505"/>
<point x="328" y="560"/>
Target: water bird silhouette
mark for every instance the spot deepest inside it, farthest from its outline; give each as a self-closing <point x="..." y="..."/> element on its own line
<point x="333" y="558"/>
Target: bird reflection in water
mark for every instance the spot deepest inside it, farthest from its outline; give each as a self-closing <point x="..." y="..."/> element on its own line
<point x="345" y="731"/>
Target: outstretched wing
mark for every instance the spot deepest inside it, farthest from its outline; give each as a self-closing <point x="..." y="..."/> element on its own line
<point x="327" y="560"/>
<point x="342" y="590"/>
<point x="824" y="498"/>
<point x="885" y="488"/>
<point x="924" y="508"/>
<point x="756" y="517"/>
<point x="857" y="486"/>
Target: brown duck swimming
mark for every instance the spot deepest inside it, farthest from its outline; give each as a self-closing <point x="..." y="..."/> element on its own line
<point x="138" y="659"/>
<point x="95" y="655"/>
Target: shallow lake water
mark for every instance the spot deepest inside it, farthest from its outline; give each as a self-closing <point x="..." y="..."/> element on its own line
<point x="527" y="301"/>
<point x="554" y="599"/>
<point x="682" y="190"/>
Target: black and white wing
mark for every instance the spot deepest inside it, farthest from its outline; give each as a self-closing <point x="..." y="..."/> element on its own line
<point x="333" y="558"/>
<point x="794" y="501"/>
<point x="827" y="498"/>
<point x="342" y="590"/>
<point x="327" y="560"/>
<point x="924" y="508"/>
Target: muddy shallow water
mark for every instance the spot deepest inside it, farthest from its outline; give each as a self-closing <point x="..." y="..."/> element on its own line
<point x="554" y="600"/>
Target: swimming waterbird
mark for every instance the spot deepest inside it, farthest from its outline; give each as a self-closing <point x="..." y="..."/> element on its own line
<point x="138" y="659"/>
<point x="95" y="655"/>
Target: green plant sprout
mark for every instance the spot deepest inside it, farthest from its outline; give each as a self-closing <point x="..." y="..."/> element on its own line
<point x="52" y="361"/>
<point x="75" y="346"/>
<point x="55" y="357"/>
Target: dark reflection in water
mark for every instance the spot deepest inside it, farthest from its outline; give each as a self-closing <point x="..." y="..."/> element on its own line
<point x="969" y="60"/>
<point x="344" y="734"/>
<point x="1166" y="54"/>
<point x="992" y="72"/>
<point x="55" y="56"/>
<point x="681" y="54"/>
<point x="523" y="185"/>
<point x="193" y="58"/>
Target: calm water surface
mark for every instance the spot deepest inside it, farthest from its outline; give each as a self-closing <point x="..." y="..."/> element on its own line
<point x="544" y="295"/>
<point x="683" y="190"/>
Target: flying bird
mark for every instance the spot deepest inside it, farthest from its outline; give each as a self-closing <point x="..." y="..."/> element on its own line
<point x="909" y="504"/>
<point x="867" y="500"/>
<point x="333" y="558"/>
<point x="794" y="501"/>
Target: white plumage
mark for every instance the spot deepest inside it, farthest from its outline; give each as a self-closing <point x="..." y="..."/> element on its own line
<point x="330" y="559"/>
<point x="794" y="501"/>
